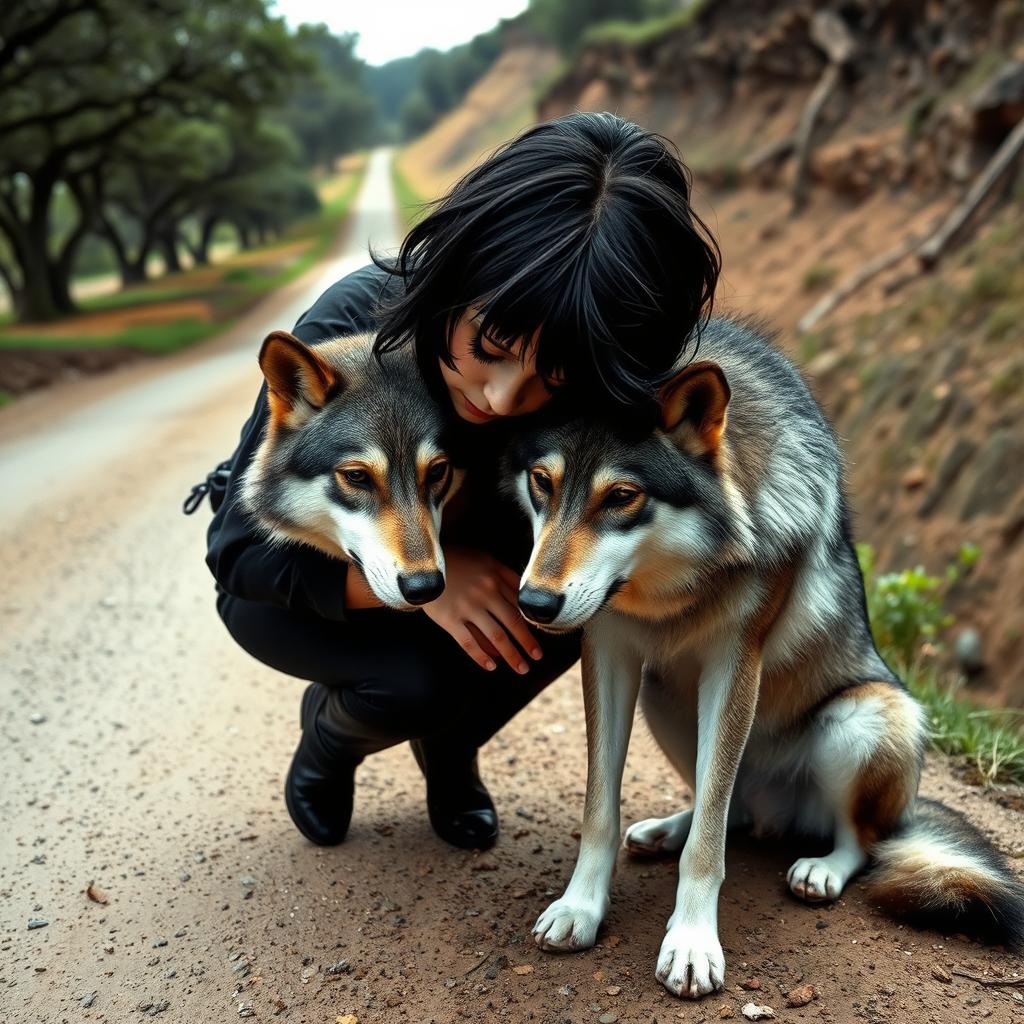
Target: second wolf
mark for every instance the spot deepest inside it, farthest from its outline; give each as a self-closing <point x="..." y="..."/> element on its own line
<point x="709" y="555"/>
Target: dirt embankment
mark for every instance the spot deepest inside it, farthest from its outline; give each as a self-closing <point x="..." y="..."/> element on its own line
<point x="822" y="138"/>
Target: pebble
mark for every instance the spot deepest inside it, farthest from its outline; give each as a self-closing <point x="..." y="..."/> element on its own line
<point x="184" y="876"/>
<point x="37" y="718"/>
<point x="88" y="1000"/>
<point x="341" y="967"/>
<point x="248" y="882"/>
<point x="939" y="973"/>
<point x="157" y="943"/>
<point x="37" y="922"/>
<point x="245" y="1010"/>
<point x="801" y="996"/>
<point x="608" y="1018"/>
<point x="754" y="1012"/>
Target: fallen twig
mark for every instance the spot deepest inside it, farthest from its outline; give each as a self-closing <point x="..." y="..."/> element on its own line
<point x="1008" y="982"/>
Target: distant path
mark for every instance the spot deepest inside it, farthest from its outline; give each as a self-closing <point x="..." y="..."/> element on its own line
<point x="54" y="438"/>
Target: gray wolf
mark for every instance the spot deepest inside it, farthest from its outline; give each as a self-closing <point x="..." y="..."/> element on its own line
<point x="354" y="462"/>
<point x="709" y="557"/>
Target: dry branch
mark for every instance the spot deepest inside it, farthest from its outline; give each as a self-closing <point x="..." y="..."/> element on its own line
<point x="1010" y="150"/>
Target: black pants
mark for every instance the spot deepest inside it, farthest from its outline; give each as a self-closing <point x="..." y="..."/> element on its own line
<point x="397" y="673"/>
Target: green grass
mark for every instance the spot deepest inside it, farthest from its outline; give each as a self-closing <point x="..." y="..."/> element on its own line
<point x="988" y="741"/>
<point x="412" y="207"/>
<point x="229" y="294"/>
<point x="636" y="34"/>
<point x="907" y="611"/>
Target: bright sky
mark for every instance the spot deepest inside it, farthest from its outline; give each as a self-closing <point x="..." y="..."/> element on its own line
<point x="398" y="28"/>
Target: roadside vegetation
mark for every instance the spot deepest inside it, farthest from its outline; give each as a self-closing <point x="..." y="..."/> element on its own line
<point x="173" y="312"/>
<point x="910" y="624"/>
<point x="412" y="207"/>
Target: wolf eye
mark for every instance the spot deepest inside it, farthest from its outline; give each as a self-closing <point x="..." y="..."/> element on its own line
<point x="617" y="497"/>
<point x="541" y="481"/>
<point x="356" y="477"/>
<point x="437" y="472"/>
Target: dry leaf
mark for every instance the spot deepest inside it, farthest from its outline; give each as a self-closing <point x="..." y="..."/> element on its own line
<point x="96" y="894"/>
<point x="523" y="969"/>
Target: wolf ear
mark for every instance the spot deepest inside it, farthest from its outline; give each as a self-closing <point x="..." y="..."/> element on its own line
<point x="295" y="375"/>
<point x="697" y="397"/>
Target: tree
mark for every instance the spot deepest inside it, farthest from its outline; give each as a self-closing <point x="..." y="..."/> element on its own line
<point x="78" y="75"/>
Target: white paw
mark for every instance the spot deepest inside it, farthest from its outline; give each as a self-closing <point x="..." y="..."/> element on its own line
<point x="568" y="925"/>
<point x="815" y="880"/>
<point x="691" y="962"/>
<point x="655" y="836"/>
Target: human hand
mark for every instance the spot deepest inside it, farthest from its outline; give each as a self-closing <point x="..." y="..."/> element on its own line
<point x="479" y="610"/>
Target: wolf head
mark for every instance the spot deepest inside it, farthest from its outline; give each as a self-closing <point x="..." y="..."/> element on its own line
<point x="625" y="516"/>
<point x="354" y="462"/>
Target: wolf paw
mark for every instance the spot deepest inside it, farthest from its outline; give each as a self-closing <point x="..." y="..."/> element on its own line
<point x="567" y="926"/>
<point x="655" y="836"/>
<point x="815" y="880"/>
<point x="691" y="962"/>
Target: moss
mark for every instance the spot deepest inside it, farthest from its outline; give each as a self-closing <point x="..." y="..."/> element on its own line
<point x="635" y="34"/>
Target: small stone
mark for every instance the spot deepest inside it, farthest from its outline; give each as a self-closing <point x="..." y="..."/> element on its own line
<point x="247" y="882"/>
<point x="199" y="857"/>
<point x="348" y="1018"/>
<point x="146" y="1004"/>
<point x="568" y="991"/>
<point x="820" y="925"/>
<point x="88" y="1000"/>
<point x="157" y="943"/>
<point x="754" y="1012"/>
<point x="939" y="973"/>
<point x="725" y="1012"/>
<point x="37" y="922"/>
<point x="801" y="996"/>
<point x="184" y="876"/>
<point x="751" y="984"/>
<point x="37" y="718"/>
<point x="491" y="973"/>
<point x="180" y="933"/>
<point x="608" y="1018"/>
<point x="969" y="653"/>
<point x="158" y="1008"/>
<point x="341" y="967"/>
<point x="613" y="990"/>
<point x="245" y="1010"/>
<point x="242" y="967"/>
<point x="523" y="969"/>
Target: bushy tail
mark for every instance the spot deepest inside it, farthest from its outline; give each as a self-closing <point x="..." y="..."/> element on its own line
<point x="939" y="870"/>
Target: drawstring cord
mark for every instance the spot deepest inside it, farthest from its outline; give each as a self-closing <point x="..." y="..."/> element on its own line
<point x="215" y="478"/>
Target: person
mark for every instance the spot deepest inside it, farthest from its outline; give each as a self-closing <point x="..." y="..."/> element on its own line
<point x="569" y="266"/>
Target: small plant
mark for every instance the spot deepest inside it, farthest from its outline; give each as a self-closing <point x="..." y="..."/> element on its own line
<point x="905" y="608"/>
<point x="819" y="276"/>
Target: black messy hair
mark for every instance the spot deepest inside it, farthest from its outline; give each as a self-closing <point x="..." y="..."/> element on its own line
<point x="580" y="229"/>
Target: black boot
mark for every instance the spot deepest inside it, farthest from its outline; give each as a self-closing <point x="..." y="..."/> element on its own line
<point x="321" y="780"/>
<point x="460" y="808"/>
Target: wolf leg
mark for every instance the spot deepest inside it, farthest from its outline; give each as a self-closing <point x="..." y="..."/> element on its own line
<point x="864" y="758"/>
<point x="691" y="962"/>
<point x="611" y="680"/>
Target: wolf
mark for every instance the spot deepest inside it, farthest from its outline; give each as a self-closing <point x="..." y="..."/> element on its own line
<point x="354" y="462"/>
<point x="708" y="555"/>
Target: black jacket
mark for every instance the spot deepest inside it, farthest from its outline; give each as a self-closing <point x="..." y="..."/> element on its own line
<point x="247" y="565"/>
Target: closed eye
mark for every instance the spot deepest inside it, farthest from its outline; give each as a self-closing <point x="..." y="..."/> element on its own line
<point x="620" y="497"/>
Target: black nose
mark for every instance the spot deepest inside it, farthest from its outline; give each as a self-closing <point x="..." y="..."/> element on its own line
<point x="420" y="587"/>
<point x="540" y="605"/>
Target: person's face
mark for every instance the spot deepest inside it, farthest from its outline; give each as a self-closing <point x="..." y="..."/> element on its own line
<point x="489" y="381"/>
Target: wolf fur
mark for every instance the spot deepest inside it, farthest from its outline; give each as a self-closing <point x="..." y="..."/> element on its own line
<point x="710" y="560"/>
<point x="354" y="462"/>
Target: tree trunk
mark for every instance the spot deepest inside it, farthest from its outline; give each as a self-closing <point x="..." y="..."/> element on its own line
<point x="201" y="251"/>
<point x="244" y="235"/>
<point x="167" y="239"/>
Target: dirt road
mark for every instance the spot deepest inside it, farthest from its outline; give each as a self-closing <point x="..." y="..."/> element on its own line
<point x="143" y="753"/>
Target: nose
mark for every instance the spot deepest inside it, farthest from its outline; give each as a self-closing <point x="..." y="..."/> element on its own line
<point x="504" y="391"/>
<point x="540" y="605"/>
<point x="420" y="587"/>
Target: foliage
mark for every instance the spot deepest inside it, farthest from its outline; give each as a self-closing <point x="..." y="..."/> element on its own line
<point x="644" y="32"/>
<point x="819" y="276"/>
<point x="149" y="124"/>
<point x="907" y="614"/>
<point x="565" y="22"/>
<point x="412" y="207"/>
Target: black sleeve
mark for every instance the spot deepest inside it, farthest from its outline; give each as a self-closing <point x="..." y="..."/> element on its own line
<point x="244" y="563"/>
